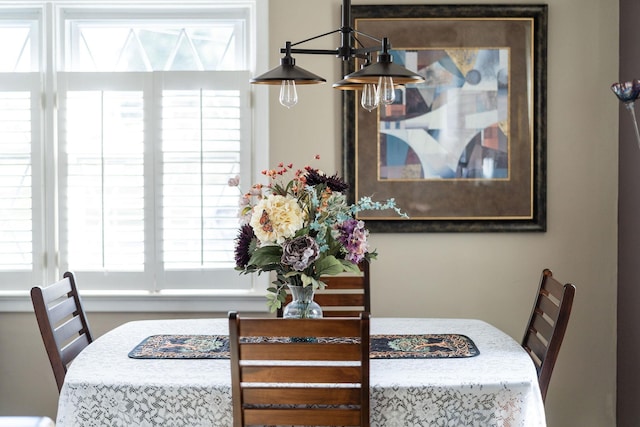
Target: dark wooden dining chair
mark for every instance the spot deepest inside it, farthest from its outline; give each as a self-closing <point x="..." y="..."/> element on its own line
<point x="62" y="321"/>
<point x="312" y="372"/>
<point x="346" y="295"/>
<point x="547" y="325"/>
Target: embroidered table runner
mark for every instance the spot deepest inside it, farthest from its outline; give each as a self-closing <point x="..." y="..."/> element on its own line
<point x="382" y="347"/>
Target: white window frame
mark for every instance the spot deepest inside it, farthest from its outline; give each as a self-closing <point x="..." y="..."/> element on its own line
<point x="46" y="261"/>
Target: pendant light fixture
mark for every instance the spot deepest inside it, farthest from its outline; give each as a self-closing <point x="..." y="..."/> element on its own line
<point x="375" y="80"/>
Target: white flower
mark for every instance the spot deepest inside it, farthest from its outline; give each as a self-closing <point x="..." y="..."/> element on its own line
<point x="276" y="218"/>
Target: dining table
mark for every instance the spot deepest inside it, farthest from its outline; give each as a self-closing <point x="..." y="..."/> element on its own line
<point x="108" y="385"/>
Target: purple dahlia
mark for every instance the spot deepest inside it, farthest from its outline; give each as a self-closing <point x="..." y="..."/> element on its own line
<point x="334" y="182"/>
<point x="243" y="245"/>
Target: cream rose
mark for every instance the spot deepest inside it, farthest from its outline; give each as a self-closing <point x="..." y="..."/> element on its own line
<point x="276" y="218"/>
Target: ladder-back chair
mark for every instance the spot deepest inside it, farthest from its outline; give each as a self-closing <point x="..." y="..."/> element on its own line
<point x="547" y="325"/>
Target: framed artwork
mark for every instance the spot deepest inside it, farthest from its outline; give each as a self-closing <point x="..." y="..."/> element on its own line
<point x="465" y="149"/>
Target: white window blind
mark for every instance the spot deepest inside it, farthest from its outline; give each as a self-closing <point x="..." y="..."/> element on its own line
<point x="200" y="151"/>
<point x="115" y="165"/>
<point x="20" y="245"/>
<point x="21" y="204"/>
<point x="159" y="218"/>
<point x="103" y="204"/>
<point x="204" y="133"/>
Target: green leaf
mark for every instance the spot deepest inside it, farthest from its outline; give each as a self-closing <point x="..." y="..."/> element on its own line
<point x="291" y="274"/>
<point x="272" y="302"/>
<point x="349" y="266"/>
<point x="266" y="255"/>
<point x="328" y="266"/>
<point x="306" y="280"/>
<point x="318" y="284"/>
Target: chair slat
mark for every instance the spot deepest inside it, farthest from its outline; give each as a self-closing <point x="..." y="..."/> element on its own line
<point x="67" y="330"/>
<point x="299" y="328"/>
<point x="548" y="307"/>
<point x="311" y="351"/>
<point x="536" y="346"/>
<point x="340" y="300"/>
<point x="62" y="310"/>
<point x="301" y="396"/>
<point x="534" y="358"/>
<point x="56" y="290"/>
<point x="554" y="287"/>
<point x="300" y="374"/>
<point x="73" y="349"/>
<point x="329" y="417"/>
<point x="340" y="313"/>
<point x="343" y="282"/>
<point x="543" y="327"/>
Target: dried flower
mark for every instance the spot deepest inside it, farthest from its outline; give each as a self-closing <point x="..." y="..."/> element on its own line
<point x="334" y="182"/>
<point x="300" y="252"/>
<point x="276" y="218"/>
<point x="244" y="241"/>
<point x="301" y="229"/>
<point x="353" y="235"/>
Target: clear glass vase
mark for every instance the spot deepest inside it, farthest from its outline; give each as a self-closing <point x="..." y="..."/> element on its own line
<point x="302" y="305"/>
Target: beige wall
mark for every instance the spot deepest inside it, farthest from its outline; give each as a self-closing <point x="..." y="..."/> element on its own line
<point x="490" y="276"/>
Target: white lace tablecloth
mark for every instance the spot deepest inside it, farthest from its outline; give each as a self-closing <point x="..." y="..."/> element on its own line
<point x="104" y="387"/>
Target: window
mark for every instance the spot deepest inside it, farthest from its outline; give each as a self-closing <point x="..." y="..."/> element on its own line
<point x="116" y="164"/>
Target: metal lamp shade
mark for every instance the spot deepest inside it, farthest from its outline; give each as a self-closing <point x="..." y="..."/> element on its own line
<point x="346" y="84"/>
<point x="371" y="74"/>
<point x="288" y="72"/>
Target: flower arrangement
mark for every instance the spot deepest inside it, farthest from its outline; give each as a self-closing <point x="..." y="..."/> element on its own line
<point x="301" y="228"/>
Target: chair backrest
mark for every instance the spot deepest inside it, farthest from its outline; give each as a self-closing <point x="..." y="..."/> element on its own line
<point x="62" y="322"/>
<point x="547" y="325"/>
<point x="346" y="295"/>
<point x="312" y="372"/>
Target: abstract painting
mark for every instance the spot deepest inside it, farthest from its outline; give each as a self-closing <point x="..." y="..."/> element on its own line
<point x="464" y="150"/>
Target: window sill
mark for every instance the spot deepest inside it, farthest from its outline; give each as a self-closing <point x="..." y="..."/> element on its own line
<point x="220" y="302"/>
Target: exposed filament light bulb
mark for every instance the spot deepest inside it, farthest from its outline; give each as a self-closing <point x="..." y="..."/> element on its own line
<point x="369" y="99"/>
<point x="386" y="92"/>
<point x="288" y="93"/>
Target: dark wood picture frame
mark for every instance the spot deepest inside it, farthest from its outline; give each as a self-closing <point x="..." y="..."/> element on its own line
<point x="462" y="199"/>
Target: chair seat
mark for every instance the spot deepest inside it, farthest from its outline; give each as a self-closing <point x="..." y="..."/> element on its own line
<point x="26" y="422"/>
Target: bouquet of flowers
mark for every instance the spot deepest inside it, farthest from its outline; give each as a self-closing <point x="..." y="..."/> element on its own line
<point x="301" y="228"/>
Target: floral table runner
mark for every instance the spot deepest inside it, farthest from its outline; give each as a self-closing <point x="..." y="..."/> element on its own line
<point x="382" y="347"/>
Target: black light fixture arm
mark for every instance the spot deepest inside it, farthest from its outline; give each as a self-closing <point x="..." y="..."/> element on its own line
<point x="376" y="80"/>
<point x="347" y="33"/>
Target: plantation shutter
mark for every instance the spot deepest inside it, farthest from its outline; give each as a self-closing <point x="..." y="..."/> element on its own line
<point x="205" y="128"/>
<point x="144" y="164"/>
<point x="102" y="160"/>
<point x="21" y="242"/>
